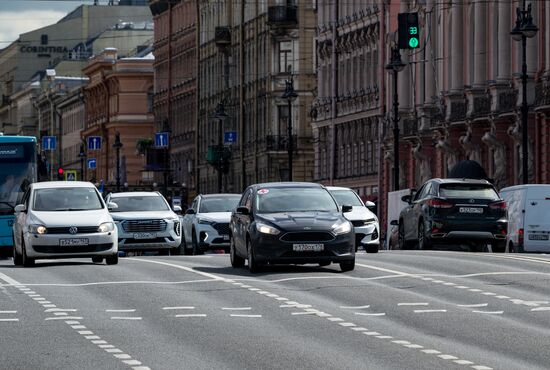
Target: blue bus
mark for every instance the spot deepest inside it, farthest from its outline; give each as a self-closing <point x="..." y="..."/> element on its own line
<point x="18" y="169"/>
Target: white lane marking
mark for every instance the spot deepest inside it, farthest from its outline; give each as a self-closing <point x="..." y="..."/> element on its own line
<point x="449" y="284"/>
<point x="528" y="303"/>
<point x="370" y="314"/>
<point x="303" y="313"/>
<point x="463" y="362"/>
<point x="359" y="328"/>
<point x="34" y="295"/>
<point x="8" y="320"/>
<point x="398" y="273"/>
<point x="63" y="318"/>
<point x="240" y="315"/>
<point x="355" y="307"/>
<point x="438" y="281"/>
<point x="179" y="308"/>
<point x="85" y="332"/>
<point x="448" y="357"/>
<point x="473" y="305"/>
<point x="236" y="308"/>
<point x="490" y="312"/>
<point x="502" y="297"/>
<point x="475" y="290"/>
<point x="282" y="299"/>
<point x="191" y="315"/>
<point x="371" y="333"/>
<point x="540" y="309"/>
<point x="488" y="293"/>
<point x="132" y="362"/>
<point x="129" y="310"/>
<point x="72" y="322"/>
<point x="39" y="299"/>
<point x="101" y="341"/>
<point x="185" y="268"/>
<point x="48" y="305"/>
<point x="113" y="350"/>
<point x="141" y="368"/>
<point x="44" y="302"/>
<point x="323" y="314"/>
<point x="104" y="346"/>
<point x="414" y="346"/>
<point x="297" y="305"/>
<point x="335" y="319"/>
<point x="31" y="292"/>
<point x="246" y="286"/>
<point x="346" y="324"/>
<point x="462" y="287"/>
<point x="272" y="295"/>
<point x="60" y="313"/>
<point x="61" y="310"/>
<point x="125" y="318"/>
<point x="431" y="351"/>
<point x="414" y="304"/>
<point x="429" y="311"/>
<point x="263" y="292"/>
<point x="402" y="342"/>
<point x="481" y="367"/>
<point x="254" y="289"/>
<point x="8" y="311"/>
<point x="92" y="337"/>
<point x="78" y="326"/>
<point x="384" y="337"/>
<point x="123" y="356"/>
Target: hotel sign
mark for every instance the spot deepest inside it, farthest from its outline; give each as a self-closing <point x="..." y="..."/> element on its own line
<point x="44" y="49"/>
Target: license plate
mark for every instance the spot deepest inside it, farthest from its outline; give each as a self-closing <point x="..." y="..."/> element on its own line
<point x="538" y="237"/>
<point x="308" y="247"/>
<point x="72" y="242"/>
<point x="145" y="235"/>
<point x="225" y="237"/>
<point x="470" y="210"/>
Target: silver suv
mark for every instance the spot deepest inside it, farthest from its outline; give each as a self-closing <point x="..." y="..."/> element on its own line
<point x="145" y="221"/>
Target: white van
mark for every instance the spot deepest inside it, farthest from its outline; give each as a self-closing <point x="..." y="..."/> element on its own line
<point x="528" y="217"/>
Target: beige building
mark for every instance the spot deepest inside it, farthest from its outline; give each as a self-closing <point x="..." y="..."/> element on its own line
<point x="248" y="49"/>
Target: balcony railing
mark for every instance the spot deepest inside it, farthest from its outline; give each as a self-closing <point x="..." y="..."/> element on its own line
<point x="283" y="16"/>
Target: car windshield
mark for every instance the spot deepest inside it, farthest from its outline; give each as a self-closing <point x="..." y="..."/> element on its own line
<point x="467" y="191"/>
<point x="287" y="199"/>
<point x="219" y="204"/>
<point x="66" y="199"/>
<point x="347" y="197"/>
<point x="137" y="203"/>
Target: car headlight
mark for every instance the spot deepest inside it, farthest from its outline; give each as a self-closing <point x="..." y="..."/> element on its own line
<point x="205" y="221"/>
<point x="342" y="228"/>
<point x="266" y="229"/>
<point x="37" y="229"/>
<point x="106" y="227"/>
<point x="369" y="221"/>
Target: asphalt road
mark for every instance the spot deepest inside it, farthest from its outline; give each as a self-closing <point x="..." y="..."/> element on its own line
<point x="396" y="310"/>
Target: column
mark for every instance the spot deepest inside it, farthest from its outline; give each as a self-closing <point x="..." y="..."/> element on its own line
<point x="457" y="59"/>
<point x="547" y="42"/>
<point x="429" y="66"/>
<point x="505" y="25"/>
<point x="480" y="43"/>
<point x="533" y="43"/>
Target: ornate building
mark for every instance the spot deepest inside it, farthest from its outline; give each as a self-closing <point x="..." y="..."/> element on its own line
<point x="248" y="50"/>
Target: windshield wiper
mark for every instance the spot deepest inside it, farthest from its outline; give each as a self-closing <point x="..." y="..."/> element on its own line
<point x="12" y="206"/>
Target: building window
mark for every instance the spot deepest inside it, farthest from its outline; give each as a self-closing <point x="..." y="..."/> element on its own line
<point x="285" y="57"/>
<point x="283" y="120"/>
<point x="44" y="40"/>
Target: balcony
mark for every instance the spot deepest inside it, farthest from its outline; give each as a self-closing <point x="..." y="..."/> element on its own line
<point x="222" y="36"/>
<point x="282" y="16"/>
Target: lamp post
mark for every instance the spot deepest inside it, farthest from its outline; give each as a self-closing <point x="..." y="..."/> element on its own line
<point x="290" y="95"/>
<point x="168" y="131"/>
<point x="82" y="156"/>
<point x="395" y="66"/>
<point x="220" y="115"/>
<point x="117" y="145"/>
<point x="524" y="29"/>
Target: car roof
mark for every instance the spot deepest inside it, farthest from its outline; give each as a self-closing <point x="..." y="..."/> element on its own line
<point x="135" y="193"/>
<point x="338" y="188"/>
<point x="287" y="185"/>
<point x="461" y="181"/>
<point x="221" y="195"/>
<point x="62" y="184"/>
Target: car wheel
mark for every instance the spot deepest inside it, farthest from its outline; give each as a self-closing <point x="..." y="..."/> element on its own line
<point x="402" y="244"/>
<point x="253" y="265"/>
<point x="97" y="259"/>
<point x="196" y="249"/>
<point x="184" y="247"/>
<point x="112" y="260"/>
<point x="372" y="248"/>
<point x="17" y="258"/>
<point x="236" y="261"/>
<point x="499" y="247"/>
<point x="26" y="261"/>
<point x="423" y="242"/>
<point x="347" y="266"/>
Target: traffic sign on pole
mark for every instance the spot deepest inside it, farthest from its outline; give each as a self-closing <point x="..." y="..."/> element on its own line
<point x="230" y="137"/>
<point x="92" y="163"/>
<point x="161" y="139"/>
<point x="70" y="175"/>
<point x="94" y="142"/>
<point x="49" y="142"/>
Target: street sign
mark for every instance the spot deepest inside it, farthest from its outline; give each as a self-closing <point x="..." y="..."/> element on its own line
<point x="70" y="175"/>
<point x="92" y="163"/>
<point x="230" y="137"/>
<point x="161" y="139"/>
<point x="49" y="142"/>
<point x="94" y="142"/>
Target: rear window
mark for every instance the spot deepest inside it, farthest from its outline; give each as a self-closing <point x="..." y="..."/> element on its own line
<point x="467" y="191"/>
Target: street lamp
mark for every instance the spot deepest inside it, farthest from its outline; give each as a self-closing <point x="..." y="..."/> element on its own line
<point x="395" y="65"/>
<point x="168" y="131"/>
<point x="524" y="29"/>
<point x="82" y="156"/>
<point x="220" y="115"/>
<point x="290" y="95"/>
<point x="117" y="145"/>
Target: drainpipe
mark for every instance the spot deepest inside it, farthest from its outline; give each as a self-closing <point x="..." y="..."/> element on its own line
<point x="334" y="82"/>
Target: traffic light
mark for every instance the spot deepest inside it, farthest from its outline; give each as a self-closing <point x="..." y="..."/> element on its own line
<point x="408" y="31"/>
<point x="60" y="172"/>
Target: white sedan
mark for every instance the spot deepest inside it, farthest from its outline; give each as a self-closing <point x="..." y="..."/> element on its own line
<point x="64" y="219"/>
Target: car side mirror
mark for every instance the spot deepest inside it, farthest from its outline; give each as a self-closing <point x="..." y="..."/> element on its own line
<point x="346" y="208"/>
<point x="20" y="208"/>
<point x="406" y="198"/>
<point x="394" y="223"/>
<point x="111" y="206"/>
<point x="177" y="209"/>
<point x="190" y="211"/>
<point x="369" y="204"/>
<point x="242" y="211"/>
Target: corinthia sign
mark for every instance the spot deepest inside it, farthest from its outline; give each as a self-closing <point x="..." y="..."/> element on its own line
<point x="44" y="49"/>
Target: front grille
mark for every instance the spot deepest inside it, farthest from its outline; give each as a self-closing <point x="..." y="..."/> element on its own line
<point x="132" y="226"/>
<point x="65" y="230"/>
<point x="222" y="229"/>
<point x="72" y="249"/>
<point x="146" y="241"/>
<point x="305" y="236"/>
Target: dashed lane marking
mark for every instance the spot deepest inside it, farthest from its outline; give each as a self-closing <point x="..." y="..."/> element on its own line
<point x="179" y="308"/>
<point x="414" y="304"/>
<point x="489" y="312"/>
<point x="429" y="311"/>
<point x="355" y="307"/>
<point x="63" y="318"/>
<point x="125" y="318"/>
<point x="473" y="305"/>
<point x="8" y="320"/>
<point x="246" y="316"/>
<point x="118" y="311"/>
<point x="191" y="315"/>
<point x="8" y="312"/>
<point x="540" y="309"/>
<point x="236" y="308"/>
<point x="370" y="314"/>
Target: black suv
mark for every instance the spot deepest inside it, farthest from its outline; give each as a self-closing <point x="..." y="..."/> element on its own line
<point x="454" y="211"/>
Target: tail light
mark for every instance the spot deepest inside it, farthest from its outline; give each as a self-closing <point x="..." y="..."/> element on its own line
<point x="520" y="236"/>
<point x="498" y="205"/>
<point x="438" y="203"/>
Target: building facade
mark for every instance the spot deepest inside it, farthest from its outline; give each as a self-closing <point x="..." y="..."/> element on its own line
<point x="175" y="86"/>
<point x="248" y="50"/>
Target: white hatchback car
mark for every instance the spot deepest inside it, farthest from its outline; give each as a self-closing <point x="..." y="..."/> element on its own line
<point x="63" y="219"/>
<point x="365" y="222"/>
